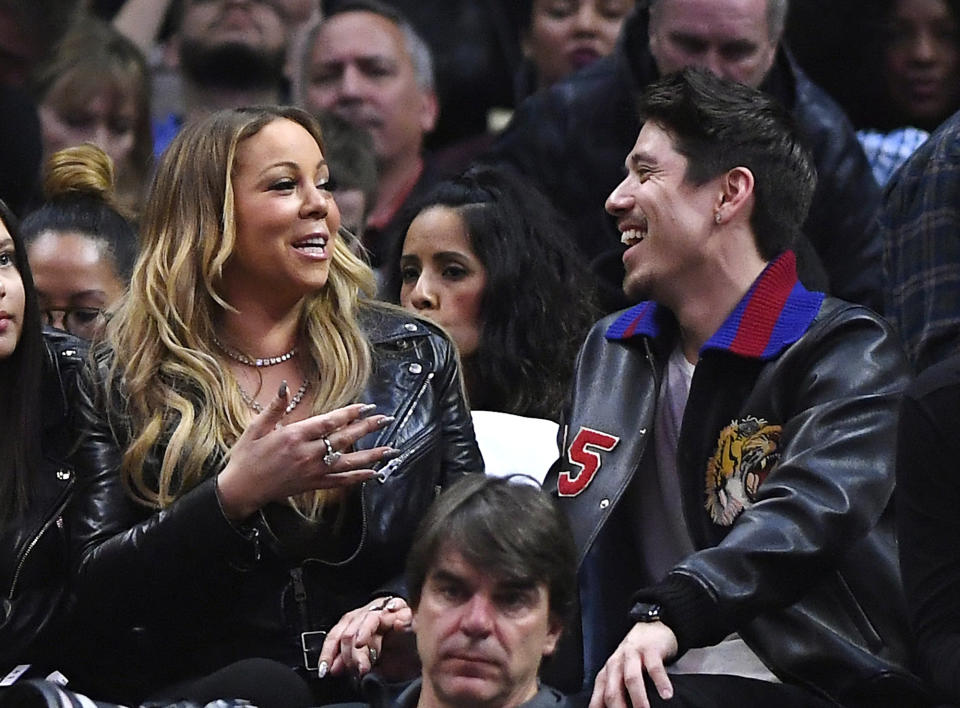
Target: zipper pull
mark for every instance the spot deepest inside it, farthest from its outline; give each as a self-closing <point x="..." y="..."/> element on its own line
<point x="255" y="539"/>
<point x="389" y="468"/>
<point x="299" y="589"/>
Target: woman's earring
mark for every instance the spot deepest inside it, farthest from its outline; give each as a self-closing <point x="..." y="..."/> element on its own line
<point x="717" y="218"/>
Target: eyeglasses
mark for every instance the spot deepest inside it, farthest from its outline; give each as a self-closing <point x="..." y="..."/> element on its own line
<point x="80" y="321"/>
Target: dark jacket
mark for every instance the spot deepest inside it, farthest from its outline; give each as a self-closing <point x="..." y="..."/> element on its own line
<point x="377" y="693"/>
<point x="573" y="138"/>
<point x="785" y="460"/>
<point x="928" y="520"/>
<point x="546" y="697"/>
<point x="200" y="592"/>
<point x="33" y="558"/>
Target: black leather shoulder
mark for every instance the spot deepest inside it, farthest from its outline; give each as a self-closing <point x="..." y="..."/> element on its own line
<point x="65" y="357"/>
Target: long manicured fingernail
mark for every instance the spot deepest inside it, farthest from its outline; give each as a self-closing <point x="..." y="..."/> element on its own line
<point x="368" y="409"/>
<point x="282" y="391"/>
<point x="394" y="603"/>
<point x="385" y="421"/>
<point x="322" y="669"/>
<point x="391" y="454"/>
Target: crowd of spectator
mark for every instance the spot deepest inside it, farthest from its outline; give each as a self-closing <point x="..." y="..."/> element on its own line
<point x="302" y="300"/>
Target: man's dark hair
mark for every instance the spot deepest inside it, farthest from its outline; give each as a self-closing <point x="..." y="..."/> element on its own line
<point x="718" y="125"/>
<point x="511" y="530"/>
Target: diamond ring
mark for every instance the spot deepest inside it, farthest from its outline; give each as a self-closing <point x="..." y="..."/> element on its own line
<point x="332" y="455"/>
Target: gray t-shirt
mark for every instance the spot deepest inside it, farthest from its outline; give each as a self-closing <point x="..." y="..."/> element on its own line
<point x="661" y="533"/>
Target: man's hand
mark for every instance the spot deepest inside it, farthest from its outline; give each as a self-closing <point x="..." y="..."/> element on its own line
<point x="644" y="649"/>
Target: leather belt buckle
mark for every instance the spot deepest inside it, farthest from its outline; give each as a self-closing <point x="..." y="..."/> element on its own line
<point x="312" y="644"/>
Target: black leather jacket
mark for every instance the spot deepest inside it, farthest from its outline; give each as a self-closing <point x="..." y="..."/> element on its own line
<point x="572" y="139"/>
<point x="33" y="558"/>
<point x="199" y="592"/>
<point x="797" y="424"/>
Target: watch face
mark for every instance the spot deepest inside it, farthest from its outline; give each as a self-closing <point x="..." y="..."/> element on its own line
<point x="645" y="612"/>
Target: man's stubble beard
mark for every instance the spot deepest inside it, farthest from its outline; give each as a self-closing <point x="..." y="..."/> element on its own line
<point x="232" y="65"/>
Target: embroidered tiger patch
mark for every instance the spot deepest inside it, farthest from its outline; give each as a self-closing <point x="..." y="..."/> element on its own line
<point x="747" y="450"/>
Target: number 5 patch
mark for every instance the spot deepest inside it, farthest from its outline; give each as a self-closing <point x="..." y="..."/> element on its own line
<point x="584" y="453"/>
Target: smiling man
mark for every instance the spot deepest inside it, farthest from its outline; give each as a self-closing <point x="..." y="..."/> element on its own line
<point x="727" y="452"/>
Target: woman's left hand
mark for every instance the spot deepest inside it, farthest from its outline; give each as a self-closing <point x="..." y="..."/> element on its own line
<point x="356" y="642"/>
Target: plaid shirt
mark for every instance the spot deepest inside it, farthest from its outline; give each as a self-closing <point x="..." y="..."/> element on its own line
<point x="887" y="151"/>
<point x="920" y="224"/>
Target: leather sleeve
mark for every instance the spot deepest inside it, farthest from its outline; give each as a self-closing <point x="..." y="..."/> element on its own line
<point x="132" y="561"/>
<point x="836" y="394"/>
<point x="461" y="454"/>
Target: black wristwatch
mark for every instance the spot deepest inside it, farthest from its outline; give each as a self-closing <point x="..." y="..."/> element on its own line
<point x="646" y="612"/>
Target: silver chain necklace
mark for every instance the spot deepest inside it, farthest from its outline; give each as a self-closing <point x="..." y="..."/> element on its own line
<point x="257" y="408"/>
<point x="247" y="361"/>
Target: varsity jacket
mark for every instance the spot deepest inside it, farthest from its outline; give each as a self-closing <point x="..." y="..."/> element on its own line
<point x="786" y="466"/>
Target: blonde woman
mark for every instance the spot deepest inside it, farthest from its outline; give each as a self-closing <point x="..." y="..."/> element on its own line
<point x="264" y="438"/>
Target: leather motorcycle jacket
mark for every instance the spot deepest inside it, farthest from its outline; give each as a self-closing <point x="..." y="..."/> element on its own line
<point x="33" y="553"/>
<point x="183" y="591"/>
<point x="786" y="468"/>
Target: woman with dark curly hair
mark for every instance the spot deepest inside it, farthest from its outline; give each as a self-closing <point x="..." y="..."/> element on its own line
<point x="487" y="257"/>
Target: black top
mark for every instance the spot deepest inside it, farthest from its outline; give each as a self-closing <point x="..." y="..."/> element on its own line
<point x="33" y="557"/>
<point x="928" y="519"/>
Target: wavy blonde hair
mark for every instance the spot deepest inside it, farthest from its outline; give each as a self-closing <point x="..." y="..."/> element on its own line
<point x="176" y="398"/>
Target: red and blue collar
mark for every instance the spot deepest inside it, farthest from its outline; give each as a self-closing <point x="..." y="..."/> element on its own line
<point x="776" y="311"/>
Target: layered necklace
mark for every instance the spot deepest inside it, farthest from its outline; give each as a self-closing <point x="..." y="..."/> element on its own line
<point x="297" y="397"/>
<point x="242" y="358"/>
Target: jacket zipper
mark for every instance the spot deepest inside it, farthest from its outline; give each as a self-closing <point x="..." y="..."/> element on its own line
<point x="411" y="453"/>
<point x="382" y="475"/>
<point x="413" y="403"/>
<point x="300" y="596"/>
<point x="363" y="537"/>
<point x="58" y="507"/>
<point x="392" y="466"/>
